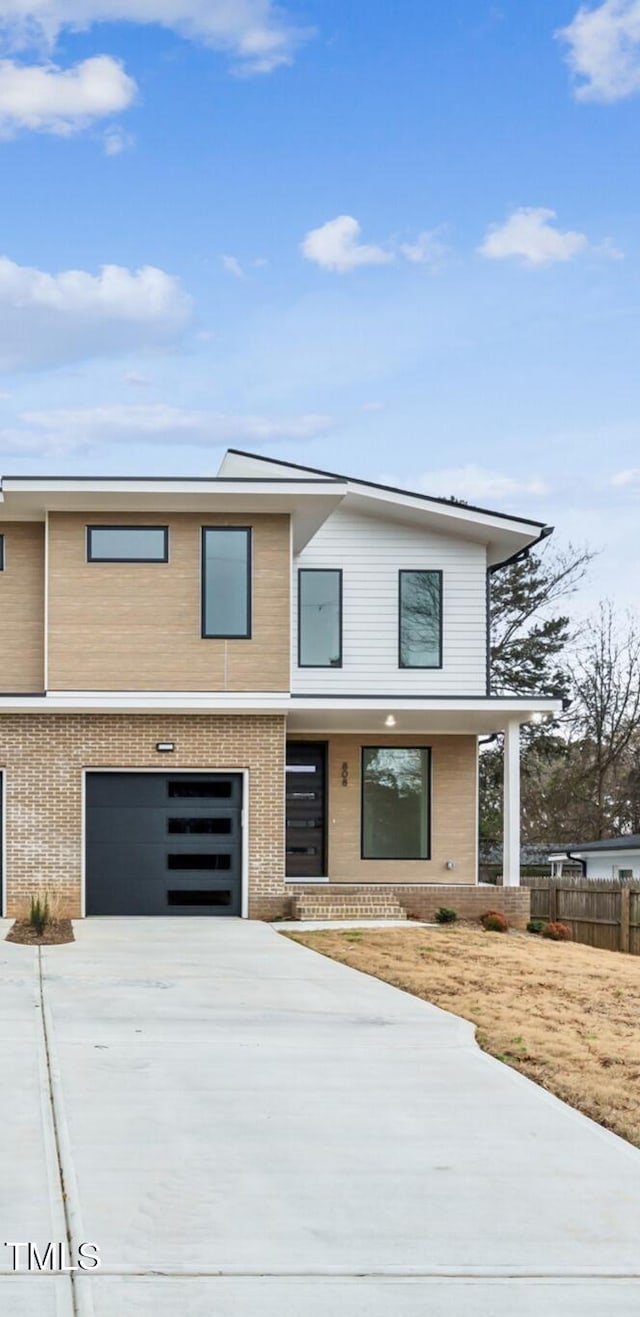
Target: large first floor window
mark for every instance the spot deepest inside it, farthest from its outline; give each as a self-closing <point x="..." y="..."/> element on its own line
<point x="319" y="618"/>
<point x="420" y="619"/>
<point x="226" y="582"/>
<point x="395" y="802"/>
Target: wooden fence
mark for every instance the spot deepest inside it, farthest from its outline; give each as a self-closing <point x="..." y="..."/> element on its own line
<point x="600" y="912"/>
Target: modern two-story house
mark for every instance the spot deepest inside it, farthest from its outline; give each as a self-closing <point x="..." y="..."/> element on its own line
<point x="235" y="695"/>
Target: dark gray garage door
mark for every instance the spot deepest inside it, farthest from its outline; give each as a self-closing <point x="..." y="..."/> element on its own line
<point x="164" y="844"/>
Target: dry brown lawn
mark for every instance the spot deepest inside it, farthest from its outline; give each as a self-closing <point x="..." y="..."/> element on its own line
<point x="566" y="1015"/>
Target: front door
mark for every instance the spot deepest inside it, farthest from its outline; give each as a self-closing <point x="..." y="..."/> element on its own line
<point x="306" y="809"/>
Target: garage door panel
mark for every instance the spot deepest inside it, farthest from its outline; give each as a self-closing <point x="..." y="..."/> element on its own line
<point x="154" y="847"/>
<point x="162" y="826"/>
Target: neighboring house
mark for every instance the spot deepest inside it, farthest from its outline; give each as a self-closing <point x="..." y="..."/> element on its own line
<point x="218" y="693"/>
<point x="618" y="857"/>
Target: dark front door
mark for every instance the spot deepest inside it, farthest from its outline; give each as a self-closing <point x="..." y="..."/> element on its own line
<point x="306" y="809"/>
<point x="164" y="844"/>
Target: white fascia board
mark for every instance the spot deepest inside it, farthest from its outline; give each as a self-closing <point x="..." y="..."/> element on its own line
<point x="503" y="536"/>
<point x="307" y="502"/>
<point x="147" y="701"/>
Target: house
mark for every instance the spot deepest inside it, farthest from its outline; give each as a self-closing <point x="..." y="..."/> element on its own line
<point x="617" y="857"/>
<point x="228" y="695"/>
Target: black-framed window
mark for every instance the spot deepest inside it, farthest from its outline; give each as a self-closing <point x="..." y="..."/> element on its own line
<point x="420" y="619"/>
<point x="127" y="543"/>
<point x="226" y="582"/>
<point x="396" y="802"/>
<point x="1" y="553"/>
<point x="319" y="618"/>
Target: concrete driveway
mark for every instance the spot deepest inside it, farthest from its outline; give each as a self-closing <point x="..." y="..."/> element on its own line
<point x="245" y="1128"/>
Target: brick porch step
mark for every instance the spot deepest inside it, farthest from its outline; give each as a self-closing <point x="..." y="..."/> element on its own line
<point x="347" y="905"/>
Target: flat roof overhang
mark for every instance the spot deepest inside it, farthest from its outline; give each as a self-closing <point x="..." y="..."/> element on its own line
<point x="313" y="715"/>
<point x="307" y="502"/>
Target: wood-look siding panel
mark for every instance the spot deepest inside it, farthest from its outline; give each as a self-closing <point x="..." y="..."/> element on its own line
<point x="371" y="552"/>
<point x="22" y="608"/>
<point x="137" y="626"/>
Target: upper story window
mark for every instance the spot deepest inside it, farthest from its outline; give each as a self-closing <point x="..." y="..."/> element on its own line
<point x="1" y="553"/>
<point x="127" y="543"/>
<point x="319" y="618"/>
<point x="420" y="629"/>
<point x="226" y="582"/>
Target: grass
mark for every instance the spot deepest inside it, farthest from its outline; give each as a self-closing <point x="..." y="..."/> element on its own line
<point x="566" y="1015"/>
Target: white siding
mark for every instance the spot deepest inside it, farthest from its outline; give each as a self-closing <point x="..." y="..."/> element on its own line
<point x="605" y="864"/>
<point x="371" y="552"/>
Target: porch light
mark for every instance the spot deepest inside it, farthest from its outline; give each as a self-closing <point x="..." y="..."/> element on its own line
<point x="536" y="718"/>
<point x="390" y="720"/>
<point x="165" y="747"/>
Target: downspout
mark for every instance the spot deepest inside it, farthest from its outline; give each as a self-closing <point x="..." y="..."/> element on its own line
<point x="576" y="859"/>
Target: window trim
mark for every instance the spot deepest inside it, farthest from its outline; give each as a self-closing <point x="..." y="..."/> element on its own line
<point x="225" y="635"/>
<point x="397" y="859"/>
<point x="91" y="557"/>
<point x="324" y="667"/>
<point x="2" y="559"/>
<point x="422" y="667"/>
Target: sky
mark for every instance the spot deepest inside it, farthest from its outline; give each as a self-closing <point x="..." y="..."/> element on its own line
<point x="394" y="239"/>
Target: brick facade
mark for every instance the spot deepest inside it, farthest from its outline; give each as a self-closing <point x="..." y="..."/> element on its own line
<point x="453" y="811"/>
<point x="44" y="755"/>
<point x="422" y="902"/>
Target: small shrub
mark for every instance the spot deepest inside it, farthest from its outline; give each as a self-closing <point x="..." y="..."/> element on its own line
<point x="557" y="932"/>
<point x="39" y="915"/>
<point x="537" y="925"/>
<point x="494" y="922"/>
<point x="444" y="915"/>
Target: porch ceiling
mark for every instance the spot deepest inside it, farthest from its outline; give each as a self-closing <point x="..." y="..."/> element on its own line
<point x="475" y="717"/>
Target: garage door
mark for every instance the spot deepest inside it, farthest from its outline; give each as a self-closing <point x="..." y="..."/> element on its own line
<point x="164" y="844"/>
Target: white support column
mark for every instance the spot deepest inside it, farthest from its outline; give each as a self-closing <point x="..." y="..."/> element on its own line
<point x="511" y="805"/>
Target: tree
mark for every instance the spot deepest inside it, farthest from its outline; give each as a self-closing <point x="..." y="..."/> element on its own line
<point x="528" y="654"/>
<point x="528" y="635"/>
<point x="605" y="721"/>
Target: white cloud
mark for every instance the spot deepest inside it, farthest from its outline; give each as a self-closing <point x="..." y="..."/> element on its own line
<point x="116" y="140"/>
<point x="47" y="319"/>
<point x="529" y="233"/>
<point x="47" y="99"/>
<point x="476" y="484"/>
<point x="624" y="479"/>
<point x="604" y="50"/>
<point x="62" y="431"/>
<point x="336" y="246"/>
<point x="428" y="249"/>
<point x="255" y="33"/>
<point x="232" y="265"/>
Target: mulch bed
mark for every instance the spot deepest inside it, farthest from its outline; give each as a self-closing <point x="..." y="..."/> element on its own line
<point x="56" y="932"/>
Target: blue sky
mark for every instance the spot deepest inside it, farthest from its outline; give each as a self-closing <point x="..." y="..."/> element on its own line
<point x="396" y="239"/>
